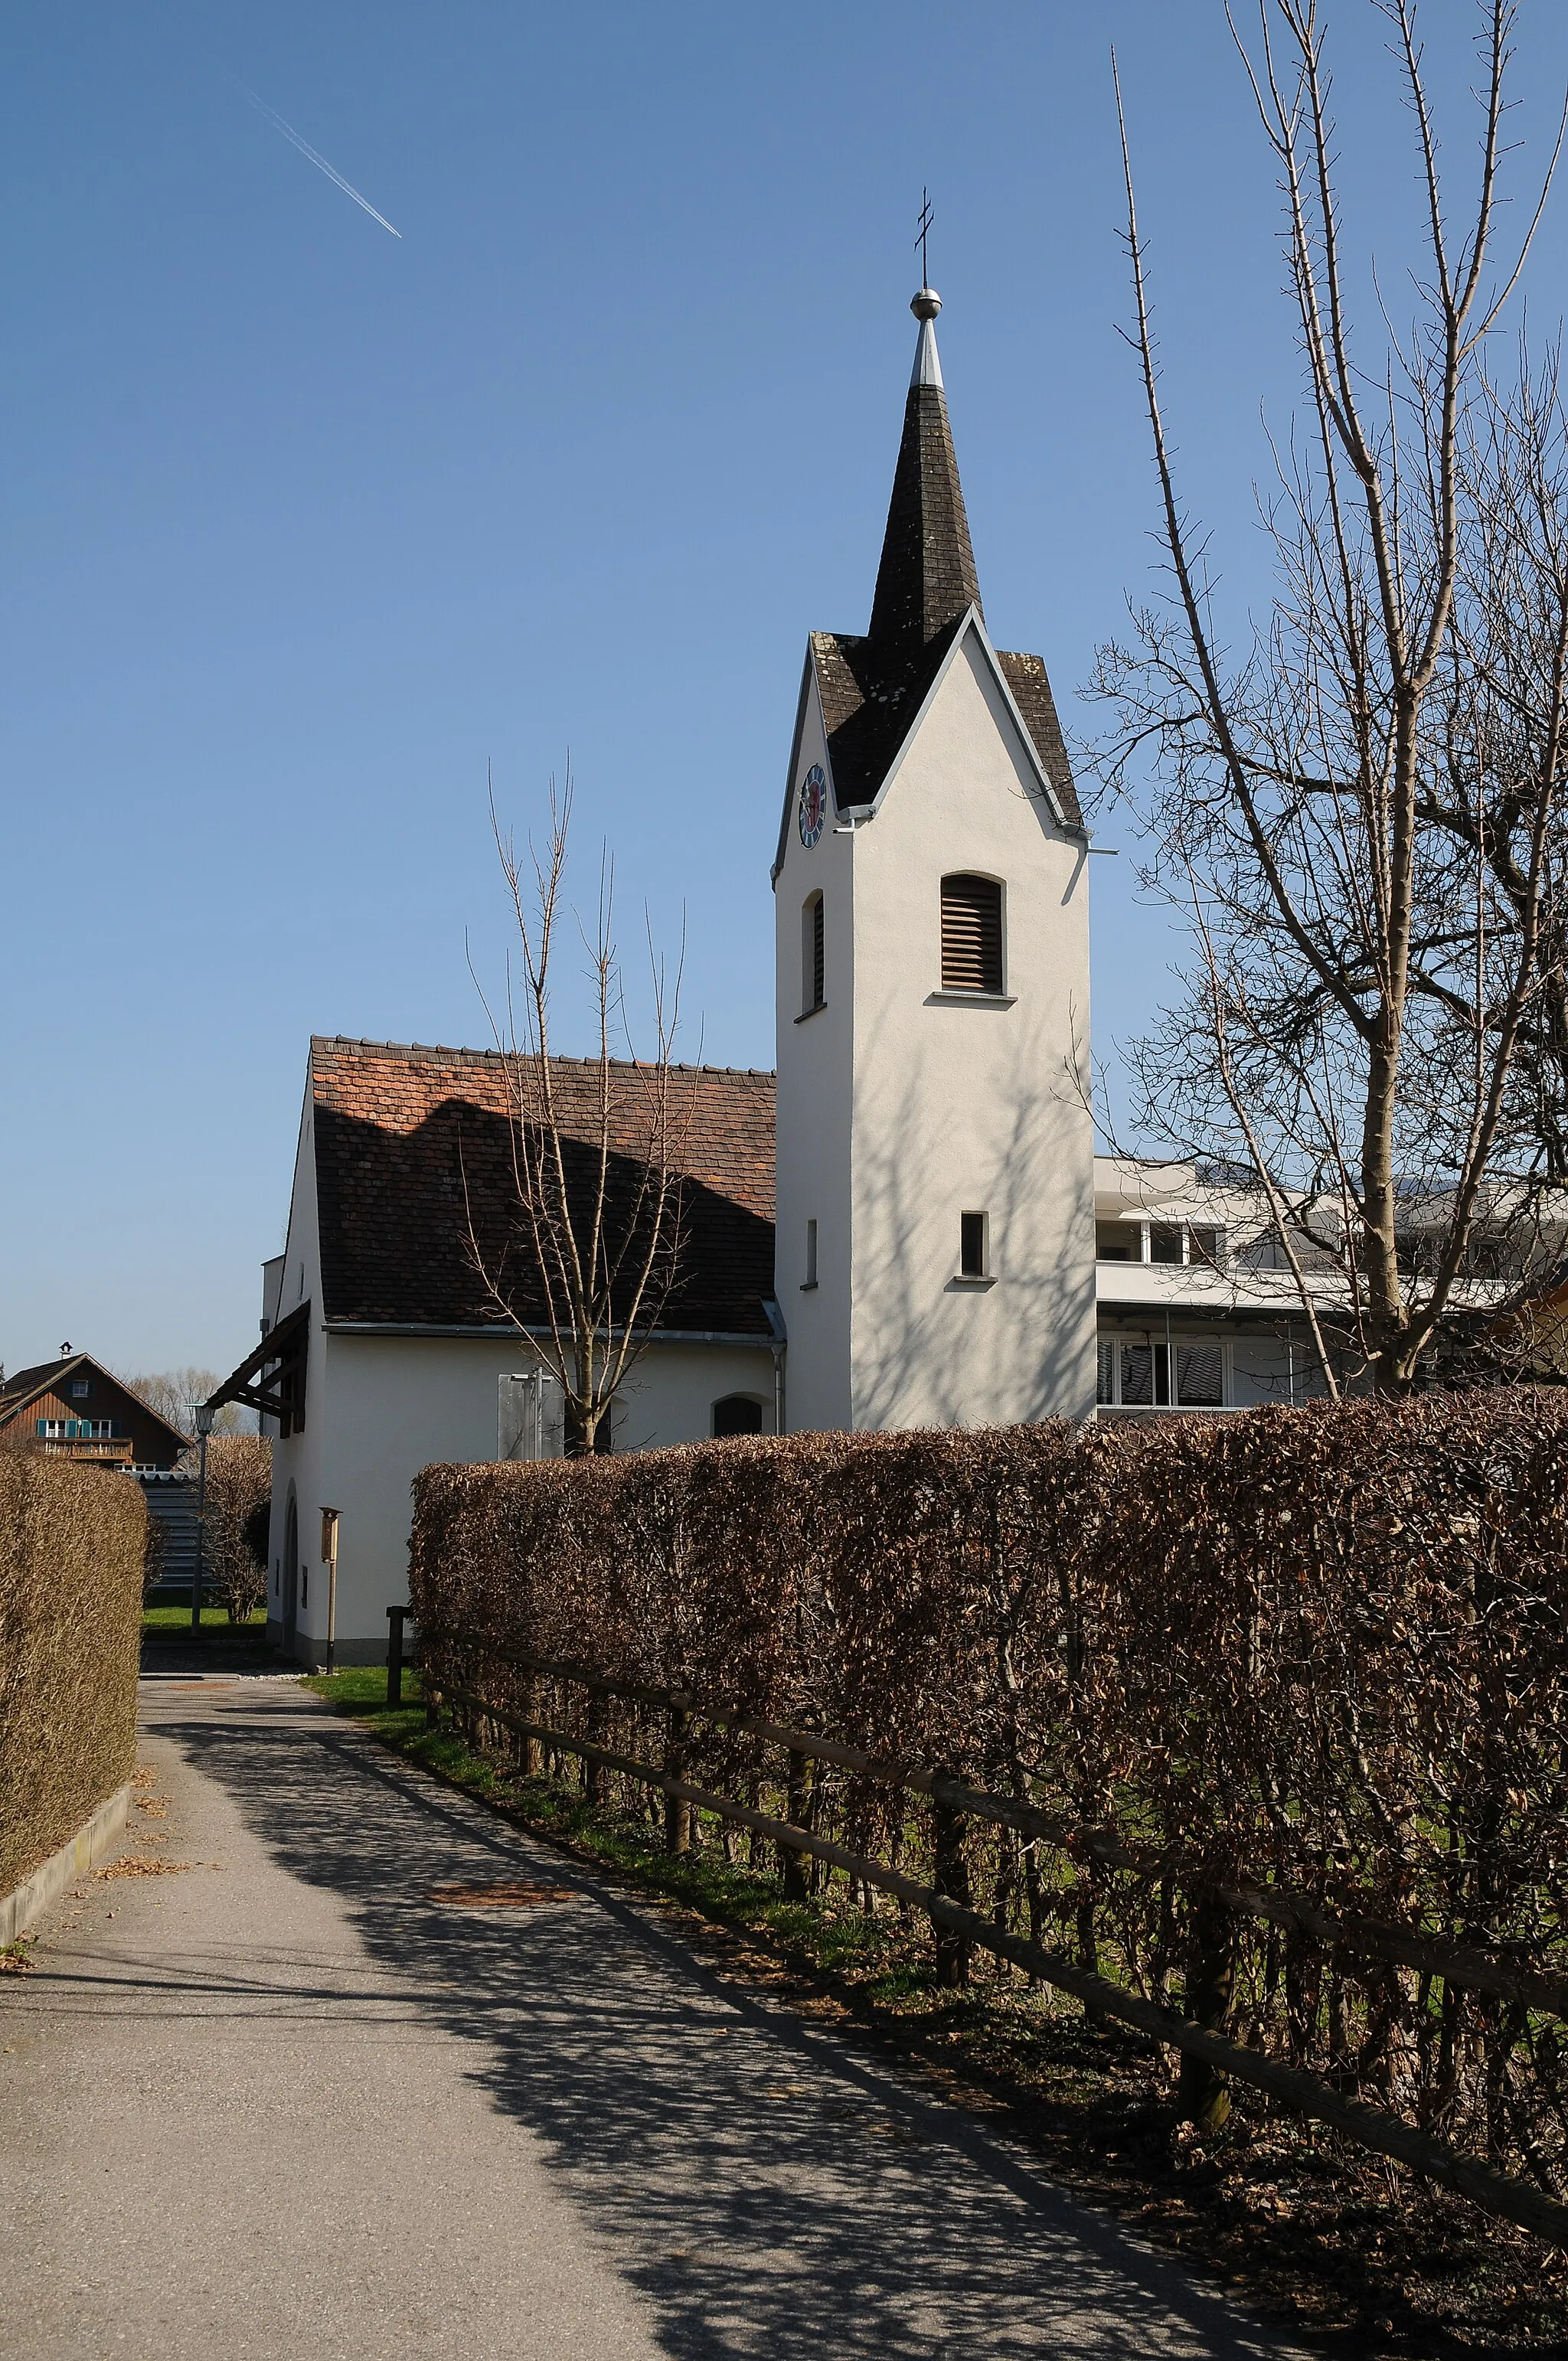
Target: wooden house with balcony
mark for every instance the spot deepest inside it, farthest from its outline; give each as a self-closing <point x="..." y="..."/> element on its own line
<point x="72" y="1408"/>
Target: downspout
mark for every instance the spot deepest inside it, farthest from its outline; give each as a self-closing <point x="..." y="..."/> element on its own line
<point x="781" y="1346"/>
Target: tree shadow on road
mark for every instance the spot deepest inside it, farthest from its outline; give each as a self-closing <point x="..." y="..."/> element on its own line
<point x="768" y="2190"/>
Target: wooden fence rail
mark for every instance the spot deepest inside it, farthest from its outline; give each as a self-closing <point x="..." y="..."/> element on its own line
<point x="1408" y="1947"/>
<point x="958" y="1927"/>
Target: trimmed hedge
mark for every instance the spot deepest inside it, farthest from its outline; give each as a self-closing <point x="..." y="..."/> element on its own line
<point x="72" y="1545"/>
<point x="1325" y="1649"/>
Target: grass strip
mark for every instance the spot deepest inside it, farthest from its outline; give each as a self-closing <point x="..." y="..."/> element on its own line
<point x="174" y="1623"/>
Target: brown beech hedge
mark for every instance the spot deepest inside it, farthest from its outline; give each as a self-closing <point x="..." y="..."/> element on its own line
<point x="72" y="1543"/>
<point x="1318" y="1651"/>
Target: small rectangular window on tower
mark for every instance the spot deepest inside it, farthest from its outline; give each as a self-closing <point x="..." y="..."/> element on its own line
<point x="810" y="1279"/>
<point x="973" y="1243"/>
<point x="971" y="934"/>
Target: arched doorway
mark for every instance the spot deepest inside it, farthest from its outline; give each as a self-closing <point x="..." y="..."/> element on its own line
<point x="291" y="1574"/>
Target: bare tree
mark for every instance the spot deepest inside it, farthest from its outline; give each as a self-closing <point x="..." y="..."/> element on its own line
<point x="1360" y="812"/>
<point x="593" y="1247"/>
<point x="174" y="1394"/>
<point x="239" y="1499"/>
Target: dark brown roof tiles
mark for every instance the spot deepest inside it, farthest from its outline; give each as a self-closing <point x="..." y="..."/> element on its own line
<point x="409" y="1139"/>
<point x="927" y="578"/>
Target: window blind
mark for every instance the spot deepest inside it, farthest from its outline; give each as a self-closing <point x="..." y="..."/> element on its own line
<point x="971" y="934"/>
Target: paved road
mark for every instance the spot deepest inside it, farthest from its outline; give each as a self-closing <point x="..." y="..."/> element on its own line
<point x="282" y="2104"/>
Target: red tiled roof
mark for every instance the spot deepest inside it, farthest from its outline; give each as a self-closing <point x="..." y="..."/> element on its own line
<point x="409" y="1140"/>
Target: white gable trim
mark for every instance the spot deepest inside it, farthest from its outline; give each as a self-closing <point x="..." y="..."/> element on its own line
<point x="809" y="681"/>
<point x="306" y="1148"/>
<point x="972" y="622"/>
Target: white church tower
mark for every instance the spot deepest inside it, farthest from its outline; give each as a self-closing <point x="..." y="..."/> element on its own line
<point x="935" y="1259"/>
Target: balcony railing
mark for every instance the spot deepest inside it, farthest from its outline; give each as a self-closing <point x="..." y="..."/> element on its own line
<point x="1167" y="1410"/>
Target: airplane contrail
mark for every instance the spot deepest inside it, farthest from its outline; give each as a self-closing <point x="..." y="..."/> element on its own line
<point x="320" y="161"/>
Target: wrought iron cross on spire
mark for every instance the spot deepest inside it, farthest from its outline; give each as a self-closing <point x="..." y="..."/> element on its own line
<point x="926" y="218"/>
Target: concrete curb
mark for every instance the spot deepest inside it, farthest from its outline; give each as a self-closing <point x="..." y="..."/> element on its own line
<point x="74" y="1859"/>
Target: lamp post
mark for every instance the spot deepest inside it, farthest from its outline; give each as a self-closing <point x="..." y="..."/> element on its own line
<point x="204" y="1415"/>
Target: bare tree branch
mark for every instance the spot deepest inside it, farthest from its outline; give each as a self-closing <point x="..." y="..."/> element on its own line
<point x="1364" y="806"/>
<point x="594" y="1245"/>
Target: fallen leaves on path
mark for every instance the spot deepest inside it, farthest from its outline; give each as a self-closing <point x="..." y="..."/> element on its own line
<point x="145" y="1865"/>
<point x="501" y="1897"/>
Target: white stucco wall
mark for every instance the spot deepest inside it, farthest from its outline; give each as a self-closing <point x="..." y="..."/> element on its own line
<point x="944" y="1108"/>
<point x="381" y="1407"/>
<point x="297" y="1463"/>
<point x="670" y="1395"/>
<point x="814" y="1086"/>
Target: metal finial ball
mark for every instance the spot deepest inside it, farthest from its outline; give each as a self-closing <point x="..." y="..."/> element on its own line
<point x="927" y="304"/>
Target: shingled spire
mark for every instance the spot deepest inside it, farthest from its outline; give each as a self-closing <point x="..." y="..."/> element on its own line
<point x="871" y="688"/>
<point x="926" y="579"/>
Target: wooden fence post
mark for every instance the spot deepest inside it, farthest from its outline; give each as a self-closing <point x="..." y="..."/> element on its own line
<point x="532" y="1751"/>
<point x="597" y="1780"/>
<point x="1202" y="2091"/>
<point x="395" y="1654"/>
<point x="949" y="1875"/>
<point x="795" y="1875"/>
<point x="678" y="1811"/>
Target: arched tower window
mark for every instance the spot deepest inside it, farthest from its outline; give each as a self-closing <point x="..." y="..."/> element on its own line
<point x="972" y="933"/>
<point x="813" y="968"/>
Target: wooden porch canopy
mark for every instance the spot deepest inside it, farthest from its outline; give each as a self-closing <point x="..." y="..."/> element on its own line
<point x="272" y="1379"/>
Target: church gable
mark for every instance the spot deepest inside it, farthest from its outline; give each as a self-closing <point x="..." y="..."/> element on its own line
<point x="809" y="748"/>
<point x="868" y="709"/>
<point x="871" y="696"/>
<point x="970" y="649"/>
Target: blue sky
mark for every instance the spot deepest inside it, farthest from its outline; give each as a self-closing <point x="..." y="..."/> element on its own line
<point x="304" y="525"/>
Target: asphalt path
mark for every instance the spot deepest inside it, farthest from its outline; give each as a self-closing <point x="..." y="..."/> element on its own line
<point x="277" y="2100"/>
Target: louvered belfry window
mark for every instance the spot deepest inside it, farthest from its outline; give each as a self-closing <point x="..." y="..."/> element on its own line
<point x="971" y="934"/>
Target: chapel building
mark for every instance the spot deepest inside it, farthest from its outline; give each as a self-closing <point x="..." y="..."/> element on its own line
<point x="906" y="1226"/>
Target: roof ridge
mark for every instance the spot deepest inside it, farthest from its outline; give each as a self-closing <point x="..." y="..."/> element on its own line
<point x="25" y="1385"/>
<point x="498" y="1057"/>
